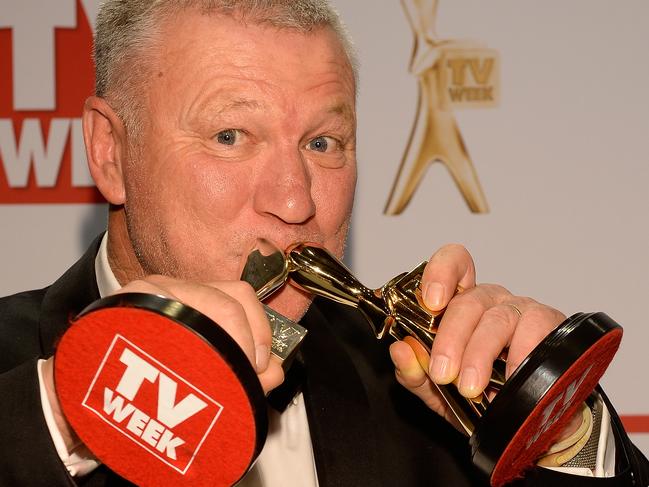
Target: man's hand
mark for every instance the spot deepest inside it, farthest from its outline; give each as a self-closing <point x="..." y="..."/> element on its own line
<point x="231" y="304"/>
<point x="478" y="324"/>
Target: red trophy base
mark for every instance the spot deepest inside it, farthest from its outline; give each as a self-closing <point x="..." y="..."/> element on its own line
<point x="541" y="396"/>
<point x="160" y="393"/>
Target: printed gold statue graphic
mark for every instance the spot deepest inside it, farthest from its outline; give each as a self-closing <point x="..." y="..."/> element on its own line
<point x="451" y="74"/>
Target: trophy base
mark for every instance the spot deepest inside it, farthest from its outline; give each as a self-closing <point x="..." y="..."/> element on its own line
<point x="541" y="396"/>
<point x="160" y="393"/>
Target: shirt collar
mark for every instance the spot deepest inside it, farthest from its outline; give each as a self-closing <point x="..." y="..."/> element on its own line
<point x="106" y="280"/>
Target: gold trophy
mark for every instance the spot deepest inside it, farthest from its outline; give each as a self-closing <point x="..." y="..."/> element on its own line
<point x="507" y="433"/>
<point x="265" y="271"/>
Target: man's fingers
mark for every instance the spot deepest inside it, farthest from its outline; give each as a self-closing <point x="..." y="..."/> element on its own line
<point x="536" y="322"/>
<point x="488" y="340"/>
<point x="412" y="376"/>
<point x="408" y="369"/>
<point x="449" y="267"/>
<point x="477" y="326"/>
<point x="456" y="328"/>
<point x="479" y="322"/>
<point x="273" y="376"/>
<point x="257" y="319"/>
<point x="233" y="305"/>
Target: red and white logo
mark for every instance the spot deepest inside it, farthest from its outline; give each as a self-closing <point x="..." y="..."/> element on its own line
<point x="556" y="409"/>
<point x="46" y="72"/>
<point x="151" y="405"/>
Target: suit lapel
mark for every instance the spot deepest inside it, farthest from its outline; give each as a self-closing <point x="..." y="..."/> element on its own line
<point x="65" y="299"/>
<point x="338" y="410"/>
<point x="69" y="295"/>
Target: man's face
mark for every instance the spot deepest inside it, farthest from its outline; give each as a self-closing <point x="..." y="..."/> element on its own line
<point x="250" y="132"/>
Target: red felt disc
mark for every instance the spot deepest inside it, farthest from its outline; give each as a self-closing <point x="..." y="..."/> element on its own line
<point x="542" y="395"/>
<point x="154" y="400"/>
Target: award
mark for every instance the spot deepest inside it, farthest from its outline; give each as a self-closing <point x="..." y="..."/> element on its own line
<point x="264" y="272"/>
<point x="511" y="431"/>
<point x="160" y="393"/>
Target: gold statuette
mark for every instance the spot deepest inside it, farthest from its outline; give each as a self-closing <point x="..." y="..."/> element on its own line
<point x="263" y="270"/>
<point x="396" y="309"/>
<point x="518" y="425"/>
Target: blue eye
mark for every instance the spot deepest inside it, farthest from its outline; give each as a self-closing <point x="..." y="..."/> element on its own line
<point x="319" y="144"/>
<point x="227" y="137"/>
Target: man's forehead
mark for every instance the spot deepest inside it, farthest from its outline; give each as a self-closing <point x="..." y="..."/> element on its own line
<point x="229" y="48"/>
<point x="187" y="18"/>
<point x="241" y="103"/>
<point x="218" y="106"/>
<point x="221" y="31"/>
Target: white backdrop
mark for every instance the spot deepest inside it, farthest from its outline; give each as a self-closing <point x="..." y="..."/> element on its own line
<point x="562" y="159"/>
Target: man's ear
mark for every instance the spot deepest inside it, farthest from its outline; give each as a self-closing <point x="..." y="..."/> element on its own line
<point x="105" y="138"/>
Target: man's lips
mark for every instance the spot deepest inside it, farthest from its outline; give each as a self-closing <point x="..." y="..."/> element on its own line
<point x="290" y="301"/>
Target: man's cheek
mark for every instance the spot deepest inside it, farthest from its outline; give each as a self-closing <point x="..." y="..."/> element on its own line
<point x="218" y="194"/>
<point x="337" y="202"/>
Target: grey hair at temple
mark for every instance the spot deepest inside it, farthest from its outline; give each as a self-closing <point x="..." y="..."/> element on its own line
<point x="126" y="29"/>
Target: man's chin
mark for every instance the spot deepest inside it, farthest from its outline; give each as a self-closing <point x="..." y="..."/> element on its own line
<point x="291" y="302"/>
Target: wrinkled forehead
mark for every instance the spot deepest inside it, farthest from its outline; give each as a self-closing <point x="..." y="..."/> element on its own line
<point x="242" y="41"/>
<point x="199" y="53"/>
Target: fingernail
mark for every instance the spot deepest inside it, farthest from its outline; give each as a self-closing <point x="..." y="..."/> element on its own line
<point x="433" y="295"/>
<point x="262" y="356"/>
<point x="439" y="369"/>
<point x="469" y="382"/>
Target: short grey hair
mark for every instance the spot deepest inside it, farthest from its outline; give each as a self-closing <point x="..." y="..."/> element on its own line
<point x="127" y="28"/>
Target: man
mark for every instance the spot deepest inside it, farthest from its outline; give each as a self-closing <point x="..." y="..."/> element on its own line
<point x="216" y="123"/>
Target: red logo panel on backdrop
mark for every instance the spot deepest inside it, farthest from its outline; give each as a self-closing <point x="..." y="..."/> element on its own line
<point x="46" y="73"/>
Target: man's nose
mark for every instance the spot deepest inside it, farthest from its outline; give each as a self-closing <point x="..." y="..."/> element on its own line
<point x="284" y="188"/>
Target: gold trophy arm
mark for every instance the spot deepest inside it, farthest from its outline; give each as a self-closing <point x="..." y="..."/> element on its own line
<point x="396" y="308"/>
<point x="317" y="271"/>
<point x="266" y="270"/>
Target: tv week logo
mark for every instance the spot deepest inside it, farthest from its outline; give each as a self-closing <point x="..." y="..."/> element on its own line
<point x="46" y="73"/>
<point x="557" y="408"/>
<point x="151" y="405"/>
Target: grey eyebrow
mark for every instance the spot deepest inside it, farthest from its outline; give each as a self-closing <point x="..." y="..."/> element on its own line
<point x="238" y="104"/>
<point x="342" y="109"/>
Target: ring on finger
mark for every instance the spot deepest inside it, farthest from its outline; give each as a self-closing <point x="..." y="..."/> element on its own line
<point x="515" y="308"/>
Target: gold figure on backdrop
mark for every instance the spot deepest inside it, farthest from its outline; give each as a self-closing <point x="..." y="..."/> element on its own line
<point x="450" y="74"/>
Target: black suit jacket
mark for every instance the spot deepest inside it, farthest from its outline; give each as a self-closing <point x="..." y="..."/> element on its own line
<point x="366" y="429"/>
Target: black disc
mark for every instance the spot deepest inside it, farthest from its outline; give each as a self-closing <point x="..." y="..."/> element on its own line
<point x="542" y="394"/>
<point x="145" y="434"/>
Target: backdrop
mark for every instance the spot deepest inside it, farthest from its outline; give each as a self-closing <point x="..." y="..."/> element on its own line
<point x="517" y="128"/>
